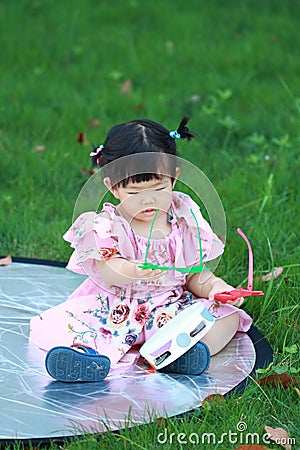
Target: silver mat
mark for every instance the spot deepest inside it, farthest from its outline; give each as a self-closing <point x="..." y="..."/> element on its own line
<point x="33" y="406"/>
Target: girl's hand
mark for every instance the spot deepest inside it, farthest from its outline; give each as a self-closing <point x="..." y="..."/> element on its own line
<point x="121" y="271"/>
<point x="145" y="274"/>
<point x="220" y="286"/>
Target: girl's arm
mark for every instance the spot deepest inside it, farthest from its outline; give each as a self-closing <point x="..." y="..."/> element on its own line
<point x="206" y="285"/>
<point x="117" y="271"/>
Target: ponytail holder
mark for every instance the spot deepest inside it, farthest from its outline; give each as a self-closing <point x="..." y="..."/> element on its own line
<point x="174" y="134"/>
<point x="97" y="152"/>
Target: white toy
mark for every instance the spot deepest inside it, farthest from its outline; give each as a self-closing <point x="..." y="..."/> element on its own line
<point x="177" y="336"/>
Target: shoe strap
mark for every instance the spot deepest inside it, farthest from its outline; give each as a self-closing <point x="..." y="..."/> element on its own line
<point x="85" y="349"/>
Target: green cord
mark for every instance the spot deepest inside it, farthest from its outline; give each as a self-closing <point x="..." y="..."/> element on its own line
<point x="149" y="237"/>
<point x="194" y="269"/>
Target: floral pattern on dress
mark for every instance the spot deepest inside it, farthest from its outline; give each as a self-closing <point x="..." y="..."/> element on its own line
<point x="141" y="314"/>
<point x="107" y="253"/>
<point x="119" y="313"/>
<point x="105" y="334"/>
<point x="84" y="335"/>
<point x="162" y="318"/>
<point x="130" y="338"/>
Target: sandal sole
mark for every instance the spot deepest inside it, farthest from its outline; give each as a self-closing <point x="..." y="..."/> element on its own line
<point x="194" y="362"/>
<point x="69" y="365"/>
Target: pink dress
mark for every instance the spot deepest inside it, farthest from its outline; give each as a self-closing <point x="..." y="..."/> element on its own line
<point x="112" y="318"/>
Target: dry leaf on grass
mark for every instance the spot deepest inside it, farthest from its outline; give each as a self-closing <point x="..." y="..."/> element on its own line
<point x="214" y="398"/>
<point x="162" y="421"/>
<point x="280" y="436"/>
<point x="39" y="148"/>
<point x="275" y="273"/>
<point x="6" y="261"/>
<point x="277" y="379"/>
<point x="126" y="87"/>
<point x="94" y="123"/>
<point x="82" y="139"/>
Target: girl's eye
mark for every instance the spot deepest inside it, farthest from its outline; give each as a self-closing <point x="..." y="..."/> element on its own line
<point x="158" y="189"/>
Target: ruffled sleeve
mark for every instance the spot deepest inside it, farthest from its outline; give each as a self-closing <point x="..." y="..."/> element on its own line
<point x="212" y="246"/>
<point x="92" y="238"/>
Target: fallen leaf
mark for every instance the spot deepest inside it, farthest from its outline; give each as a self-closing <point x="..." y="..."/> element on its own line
<point x="126" y="87"/>
<point x="275" y="273"/>
<point x="39" y="148"/>
<point x="251" y="447"/>
<point x="276" y="379"/>
<point x="6" y="261"/>
<point x="162" y="421"/>
<point x="82" y="139"/>
<point x="214" y="398"/>
<point x="94" y="123"/>
<point x="280" y="436"/>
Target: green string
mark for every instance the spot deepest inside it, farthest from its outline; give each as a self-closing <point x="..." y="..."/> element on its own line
<point x="194" y="269"/>
<point x="149" y="237"/>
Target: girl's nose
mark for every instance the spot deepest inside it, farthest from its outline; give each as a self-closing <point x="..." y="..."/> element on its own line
<point x="148" y="198"/>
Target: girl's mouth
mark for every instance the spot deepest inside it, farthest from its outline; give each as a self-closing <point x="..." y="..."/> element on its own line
<point x="149" y="212"/>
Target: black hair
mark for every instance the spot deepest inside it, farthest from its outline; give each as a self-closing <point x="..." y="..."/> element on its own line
<point x="140" y="136"/>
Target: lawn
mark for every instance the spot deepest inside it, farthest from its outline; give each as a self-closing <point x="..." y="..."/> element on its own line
<point x="70" y="70"/>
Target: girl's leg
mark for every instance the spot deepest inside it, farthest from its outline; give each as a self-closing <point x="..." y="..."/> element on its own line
<point x="221" y="333"/>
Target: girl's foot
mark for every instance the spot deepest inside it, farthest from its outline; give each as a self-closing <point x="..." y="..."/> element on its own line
<point x="70" y="365"/>
<point x="195" y="361"/>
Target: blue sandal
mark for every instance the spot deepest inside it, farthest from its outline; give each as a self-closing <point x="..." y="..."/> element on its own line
<point x="194" y="362"/>
<point x="69" y="365"/>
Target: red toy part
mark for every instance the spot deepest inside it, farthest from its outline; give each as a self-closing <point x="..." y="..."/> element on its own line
<point x="224" y="297"/>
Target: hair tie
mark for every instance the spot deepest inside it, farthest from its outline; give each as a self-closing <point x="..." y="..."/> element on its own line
<point x="174" y="134"/>
<point x="97" y="152"/>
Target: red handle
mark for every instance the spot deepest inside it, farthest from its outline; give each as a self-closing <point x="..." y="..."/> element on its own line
<point x="224" y="297"/>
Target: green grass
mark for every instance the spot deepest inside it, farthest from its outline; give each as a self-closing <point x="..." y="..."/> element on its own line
<point x="234" y="67"/>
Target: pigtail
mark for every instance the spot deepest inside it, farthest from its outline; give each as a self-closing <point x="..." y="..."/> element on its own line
<point x="96" y="154"/>
<point x="184" y="132"/>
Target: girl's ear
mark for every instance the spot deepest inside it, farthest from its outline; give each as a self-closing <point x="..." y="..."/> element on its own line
<point x="176" y="175"/>
<point x="107" y="184"/>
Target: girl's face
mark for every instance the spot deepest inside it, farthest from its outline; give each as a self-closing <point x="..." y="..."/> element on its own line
<point x="140" y="201"/>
